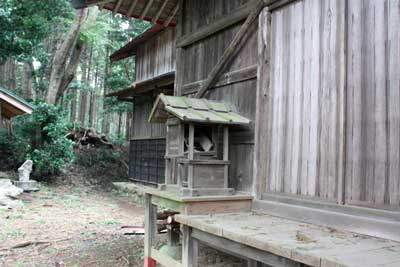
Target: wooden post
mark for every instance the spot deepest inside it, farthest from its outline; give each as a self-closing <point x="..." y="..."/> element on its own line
<point x="189" y="248"/>
<point x="1" y="119"/>
<point x="150" y="221"/>
<point x="226" y="156"/>
<point x="260" y="162"/>
<point x="191" y="155"/>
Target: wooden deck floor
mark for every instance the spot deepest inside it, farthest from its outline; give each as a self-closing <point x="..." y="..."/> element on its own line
<point x="305" y="243"/>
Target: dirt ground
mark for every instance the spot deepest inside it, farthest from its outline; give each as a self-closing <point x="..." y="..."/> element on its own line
<point x="76" y="221"/>
<point x="70" y="226"/>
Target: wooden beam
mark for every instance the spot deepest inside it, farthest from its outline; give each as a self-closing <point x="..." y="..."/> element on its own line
<point x="191" y="155"/>
<point x="387" y="228"/>
<point x="228" y="78"/>
<point x="157" y="16"/>
<point x="263" y="101"/>
<point x="131" y="8"/>
<point x="150" y="224"/>
<point x="117" y="6"/>
<point x="1" y="118"/>
<point x="189" y="248"/>
<point x="243" y="250"/>
<point x="146" y="9"/>
<point x="232" y="48"/>
<point x="238" y="15"/>
<point x="275" y="4"/>
<point x="171" y="17"/>
<point x="226" y="156"/>
<point x="164" y="260"/>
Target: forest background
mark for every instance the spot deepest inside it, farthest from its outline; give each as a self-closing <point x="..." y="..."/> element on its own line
<point x="57" y="58"/>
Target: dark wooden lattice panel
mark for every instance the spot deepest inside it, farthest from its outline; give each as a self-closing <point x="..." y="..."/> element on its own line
<point x="146" y="160"/>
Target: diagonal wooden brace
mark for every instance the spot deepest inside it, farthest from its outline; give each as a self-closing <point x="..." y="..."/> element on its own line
<point x="232" y="48"/>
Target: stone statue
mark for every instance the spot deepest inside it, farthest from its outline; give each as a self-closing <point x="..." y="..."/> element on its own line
<point x="25" y="170"/>
<point x="24" y="182"/>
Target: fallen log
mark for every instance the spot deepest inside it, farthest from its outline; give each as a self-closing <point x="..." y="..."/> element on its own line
<point x="88" y="137"/>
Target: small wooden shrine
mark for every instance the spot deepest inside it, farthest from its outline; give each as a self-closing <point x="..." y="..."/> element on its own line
<point x="197" y="161"/>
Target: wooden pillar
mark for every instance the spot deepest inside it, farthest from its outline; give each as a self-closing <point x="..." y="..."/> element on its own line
<point x="226" y="156"/>
<point x="1" y="118"/>
<point x="150" y="221"/>
<point x="191" y="155"/>
<point x="189" y="248"/>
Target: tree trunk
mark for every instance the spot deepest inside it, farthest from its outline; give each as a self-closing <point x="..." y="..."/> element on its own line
<point x="73" y="105"/>
<point x="8" y="74"/>
<point x="61" y="56"/>
<point x="27" y="81"/>
<point x="83" y="93"/>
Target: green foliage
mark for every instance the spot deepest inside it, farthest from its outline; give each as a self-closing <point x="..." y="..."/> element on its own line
<point x="12" y="151"/>
<point x="25" y="23"/>
<point x="44" y="130"/>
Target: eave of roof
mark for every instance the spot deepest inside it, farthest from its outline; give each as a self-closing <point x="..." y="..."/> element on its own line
<point x="130" y="48"/>
<point x="141" y="87"/>
<point x="156" y="13"/>
<point x="13" y="105"/>
<point x="198" y="110"/>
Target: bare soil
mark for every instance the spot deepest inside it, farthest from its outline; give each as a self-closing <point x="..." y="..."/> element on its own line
<point x="71" y="226"/>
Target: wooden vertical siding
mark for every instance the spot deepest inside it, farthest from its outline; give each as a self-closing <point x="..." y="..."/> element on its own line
<point x="331" y="103"/>
<point x="302" y="144"/>
<point x="199" y="58"/>
<point x="141" y="127"/>
<point x="156" y="56"/>
<point x="373" y="103"/>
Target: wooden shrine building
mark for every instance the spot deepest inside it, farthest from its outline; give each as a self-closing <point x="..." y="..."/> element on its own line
<point x="154" y="52"/>
<point x="315" y="173"/>
<point x="11" y="105"/>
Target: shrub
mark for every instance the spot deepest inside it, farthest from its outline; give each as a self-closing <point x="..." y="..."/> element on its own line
<point x="44" y="132"/>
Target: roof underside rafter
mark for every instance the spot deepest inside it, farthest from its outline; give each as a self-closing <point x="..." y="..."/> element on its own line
<point x="161" y="12"/>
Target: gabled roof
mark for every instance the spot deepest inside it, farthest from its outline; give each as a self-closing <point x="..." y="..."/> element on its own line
<point x="161" y="12"/>
<point x="194" y="110"/>
<point x="130" y="48"/>
<point x="13" y="105"/>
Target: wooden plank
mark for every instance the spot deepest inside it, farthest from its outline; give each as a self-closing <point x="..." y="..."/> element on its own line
<point x="1" y="117"/>
<point x="210" y="29"/>
<point x="393" y="102"/>
<point x="228" y="78"/>
<point x="226" y="156"/>
<point x="164" y="260"/>
<point x="146" y="9"/>
<point x="132" y="8"/>
<point x="117" y="6"/>
<point x="189" y="248"/>
<point x="261" y="163"/>
<point x="214" y="207"/>
<point x="244" y="251"/>
<point x="159" y="12"/>
<point x="229" y="52"/>
<point x="150" y="224"/>
<point x="387" y="229"/>
<point x="166" y="203"/>
<point x="172" y="15"/>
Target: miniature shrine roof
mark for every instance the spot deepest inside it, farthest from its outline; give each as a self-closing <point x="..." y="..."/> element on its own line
<point x="194" y="110"/>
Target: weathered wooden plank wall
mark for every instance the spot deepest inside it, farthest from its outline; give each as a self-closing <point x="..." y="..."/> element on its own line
<point x="330" y="106"/>
<point x="141" y="127"/>
<point x="153" y="58"/>
<point x="302" y="145"/>
<point x="156" y="56"/>
<point x="198" y="59"/>
<point x="373" y="103"/>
